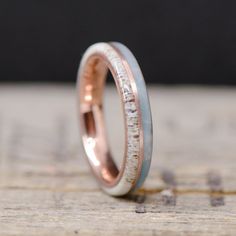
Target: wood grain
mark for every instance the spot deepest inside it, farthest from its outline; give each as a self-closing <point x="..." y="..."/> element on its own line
<point x="46" y="187"/>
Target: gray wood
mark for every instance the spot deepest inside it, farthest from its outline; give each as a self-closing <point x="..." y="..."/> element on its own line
<point x="46" y="187"/>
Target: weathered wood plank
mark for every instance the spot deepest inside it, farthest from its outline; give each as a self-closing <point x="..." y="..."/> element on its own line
<point x="46" y="187"/>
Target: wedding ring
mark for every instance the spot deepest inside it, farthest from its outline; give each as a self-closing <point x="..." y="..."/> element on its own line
<point x="97" y="60"/>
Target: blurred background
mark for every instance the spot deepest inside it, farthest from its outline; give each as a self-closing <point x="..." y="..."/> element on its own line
<point x="175" y="42"/>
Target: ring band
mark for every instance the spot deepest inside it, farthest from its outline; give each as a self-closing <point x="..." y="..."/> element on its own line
<point x="97" y="60"/>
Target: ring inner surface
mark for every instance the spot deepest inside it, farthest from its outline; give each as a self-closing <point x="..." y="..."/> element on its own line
<point x="92" y="83"/>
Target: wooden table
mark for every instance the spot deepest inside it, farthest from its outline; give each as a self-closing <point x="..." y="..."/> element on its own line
<point x="46" y="187"/>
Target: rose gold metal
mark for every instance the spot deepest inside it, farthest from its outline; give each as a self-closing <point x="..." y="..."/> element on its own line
<point x="91" y="89"/>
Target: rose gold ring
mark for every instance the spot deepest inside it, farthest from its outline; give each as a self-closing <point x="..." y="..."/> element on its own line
<point x="97" y="60"/>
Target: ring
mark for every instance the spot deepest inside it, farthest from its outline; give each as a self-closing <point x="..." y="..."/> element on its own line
<point x="96" y="61"/>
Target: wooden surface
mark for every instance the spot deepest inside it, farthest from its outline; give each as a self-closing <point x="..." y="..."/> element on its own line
<point x="46" y="187"/>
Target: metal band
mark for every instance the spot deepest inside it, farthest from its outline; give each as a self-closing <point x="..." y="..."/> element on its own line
<point x="138" y="124"/>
